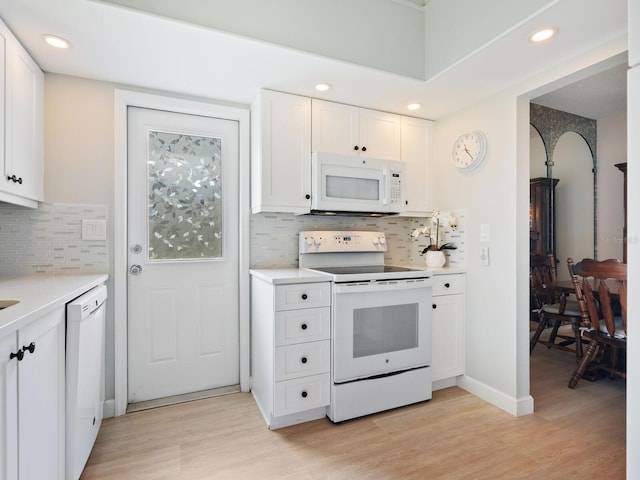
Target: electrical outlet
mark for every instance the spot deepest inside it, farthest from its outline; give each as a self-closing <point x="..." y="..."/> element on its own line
<point x="484" y="255"/>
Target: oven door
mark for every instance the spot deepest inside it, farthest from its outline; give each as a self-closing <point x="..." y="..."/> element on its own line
<point x="380" y="327"/>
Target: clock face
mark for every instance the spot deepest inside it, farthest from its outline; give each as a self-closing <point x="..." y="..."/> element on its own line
<point x="469" y="150"/>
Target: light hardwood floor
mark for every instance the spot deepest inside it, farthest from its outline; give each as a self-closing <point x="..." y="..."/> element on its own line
<point x="572" y="434"/>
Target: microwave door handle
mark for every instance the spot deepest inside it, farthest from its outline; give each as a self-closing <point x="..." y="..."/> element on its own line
<point x="385" y="180"/>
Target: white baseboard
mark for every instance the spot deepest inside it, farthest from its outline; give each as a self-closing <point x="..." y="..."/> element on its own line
<point x="515" y="406"/>
<point x="444" y="383"/>
<point x="109" y="408"/>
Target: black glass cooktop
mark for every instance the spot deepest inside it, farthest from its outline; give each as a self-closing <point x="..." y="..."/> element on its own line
<point x="365" y="269"/>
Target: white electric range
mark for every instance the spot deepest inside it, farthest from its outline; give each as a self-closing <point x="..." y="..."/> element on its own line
<point x="380" y="323"/>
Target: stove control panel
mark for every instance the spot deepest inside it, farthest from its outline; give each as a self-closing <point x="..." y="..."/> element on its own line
<point x="342" y="241"/>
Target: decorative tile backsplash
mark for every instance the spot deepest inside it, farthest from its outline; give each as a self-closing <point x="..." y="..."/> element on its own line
<point x="274" y="237"/>
<point x="48" y="240"/>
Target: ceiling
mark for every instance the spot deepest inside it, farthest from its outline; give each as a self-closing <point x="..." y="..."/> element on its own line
<point x="131" y="48"/>
<point x="597" y="96"/>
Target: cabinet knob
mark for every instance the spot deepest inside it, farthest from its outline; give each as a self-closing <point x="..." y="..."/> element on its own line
<point x="364" y="149"/>
<point x="307" y="196"/>
<point x="31" y="348"/>
<point x="15" y="179"/>
<point x="303" y="326"/>
<point x="304" y="296"/>
<point x="304" y="360"/>
<point x="434" y="306"/>
<point x="19" y="355"/>
<point x="356" y="147"/>
<point x="304" y="394"/>
<point x="447" y="285"/>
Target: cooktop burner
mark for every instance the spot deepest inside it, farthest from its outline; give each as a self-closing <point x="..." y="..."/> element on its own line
<point x="365" y="269"/>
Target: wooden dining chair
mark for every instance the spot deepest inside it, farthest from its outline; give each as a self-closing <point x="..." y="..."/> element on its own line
<point x="552" y="307"/>
<point x="601" y="291"/>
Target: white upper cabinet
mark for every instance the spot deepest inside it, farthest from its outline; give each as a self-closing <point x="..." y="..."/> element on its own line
<point x="355" y="131"/>
<point x="22" y="179"/>
<point x="281" y="153"/>
<point x="286" y="128"/>
<point x="418" y="159"/>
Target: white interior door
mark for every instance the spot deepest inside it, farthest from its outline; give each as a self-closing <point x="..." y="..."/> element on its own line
<point x="182" y="230"/>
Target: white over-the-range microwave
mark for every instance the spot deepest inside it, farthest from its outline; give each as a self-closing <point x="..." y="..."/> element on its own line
<point x="343" y="184"/>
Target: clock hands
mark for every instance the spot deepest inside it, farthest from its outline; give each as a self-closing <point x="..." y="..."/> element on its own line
<point x="468" y="152"/>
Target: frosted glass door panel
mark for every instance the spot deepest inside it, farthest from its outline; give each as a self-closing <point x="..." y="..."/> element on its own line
<point x="185" y="197"/>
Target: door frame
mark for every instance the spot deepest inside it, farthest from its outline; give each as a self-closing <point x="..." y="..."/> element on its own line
<point x="123" y="100"/>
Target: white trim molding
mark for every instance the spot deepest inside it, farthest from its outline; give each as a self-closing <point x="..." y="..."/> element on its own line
<point x="514" y="406"/>
<point x="124" y="99"/>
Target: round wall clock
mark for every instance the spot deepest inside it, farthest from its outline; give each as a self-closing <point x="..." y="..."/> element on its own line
<point x="469" y="150"/>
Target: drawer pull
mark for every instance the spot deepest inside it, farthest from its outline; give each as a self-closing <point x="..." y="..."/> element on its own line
<point x="31" y="348"/>
<point x="19" y="355"/>
<point x="304" y="296"/>
<point x="304" y="394"/>
<point x="434" y="306"/>
<point x="304" y="326"/>
<point x="303" y="359"/>
<point x="447" y="285"/>
<point x="15" y="179"/>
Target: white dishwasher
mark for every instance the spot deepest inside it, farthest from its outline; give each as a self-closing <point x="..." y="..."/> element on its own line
<point x="85" y="377"/>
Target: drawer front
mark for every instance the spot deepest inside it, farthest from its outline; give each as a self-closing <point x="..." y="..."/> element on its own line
<point x="303" y="295"/>
<point x="306" y="325"/>
<point x="448" y="284"/>
<point x="303" y="359"/>
<point x="301" y="394"/>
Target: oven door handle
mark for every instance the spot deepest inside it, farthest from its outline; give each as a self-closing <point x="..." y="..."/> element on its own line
<point x="381" y="286"/>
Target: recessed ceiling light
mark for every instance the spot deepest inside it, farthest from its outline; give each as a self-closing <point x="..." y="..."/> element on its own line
<point x="543" y="34"/>
<point x="323" y="87"/>
<point x="57" y="42"/>
<point x="414" y="106"/>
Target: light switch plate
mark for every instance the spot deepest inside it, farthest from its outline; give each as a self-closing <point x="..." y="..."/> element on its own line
<point x="485" y="232"/>
<point x="94" y="229"/>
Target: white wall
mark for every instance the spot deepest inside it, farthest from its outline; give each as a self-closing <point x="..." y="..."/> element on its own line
<point x="79" y="150"/>
<point x="612" y="149"/>
<point x="537" y="166"/>
<point x="489" y="196"/>
<point x="573" y="167"/>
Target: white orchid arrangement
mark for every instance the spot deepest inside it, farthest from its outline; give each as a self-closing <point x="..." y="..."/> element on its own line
<point x="437" y="219"/>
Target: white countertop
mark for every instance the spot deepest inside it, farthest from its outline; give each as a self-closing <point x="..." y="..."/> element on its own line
<point x="39" y="294"/>
<point x="285" y="276"/>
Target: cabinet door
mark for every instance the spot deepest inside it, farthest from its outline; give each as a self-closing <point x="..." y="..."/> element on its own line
<point x="24" y="124"/>
<point x="335" y="128"/>
<point x="418" y="163"/>
<point x="380" y="134"/>
<point x="448" y="336"/>
<point x="281" y="158"/>
<point x="8" y="408"/>
<point x="41" y="399"/>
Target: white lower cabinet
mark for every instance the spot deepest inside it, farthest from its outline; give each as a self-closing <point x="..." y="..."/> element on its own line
<point x="290" y="350"/>
<point x="32" y="400"/>
<point x="448" y="329"/>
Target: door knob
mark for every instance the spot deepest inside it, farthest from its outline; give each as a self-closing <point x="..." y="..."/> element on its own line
<point x="135" y="269"/>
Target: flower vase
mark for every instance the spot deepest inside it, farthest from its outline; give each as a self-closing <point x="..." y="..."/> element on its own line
<point x="435" y="258"/>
